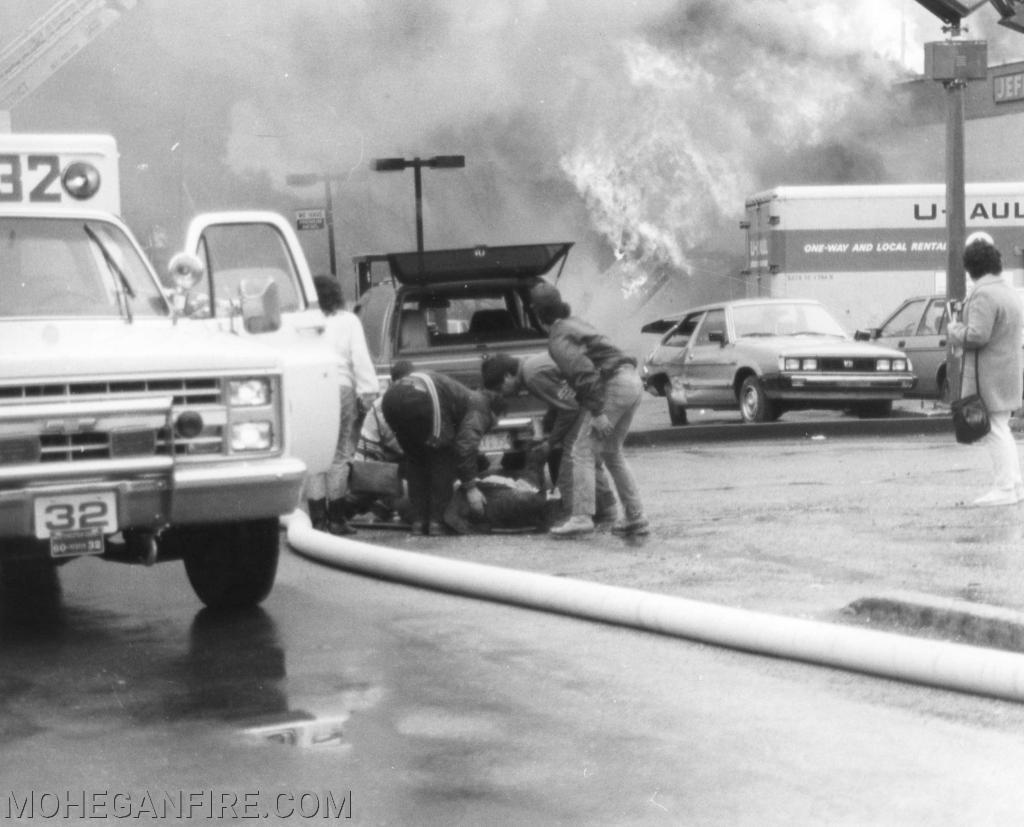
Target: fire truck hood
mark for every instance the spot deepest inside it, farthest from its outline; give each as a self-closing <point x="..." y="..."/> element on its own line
<point x="41" y="349"/>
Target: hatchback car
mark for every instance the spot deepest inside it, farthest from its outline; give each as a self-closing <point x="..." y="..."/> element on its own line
<point x="918" y="328"/>
<point x="449" y="310"/>
<point x="768" y="356"/>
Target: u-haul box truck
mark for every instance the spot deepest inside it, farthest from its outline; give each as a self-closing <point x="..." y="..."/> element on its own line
<point x="128" y="430"/>
<point x="861" y="250"/>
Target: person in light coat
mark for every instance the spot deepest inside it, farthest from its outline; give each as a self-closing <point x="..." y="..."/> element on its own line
<point x="990" y="335"/>
<point x="358" y="387"/>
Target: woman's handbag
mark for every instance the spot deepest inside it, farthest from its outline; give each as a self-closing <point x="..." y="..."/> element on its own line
<point x="970" y="416"/>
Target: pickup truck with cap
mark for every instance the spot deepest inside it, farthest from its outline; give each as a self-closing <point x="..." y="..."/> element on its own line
<point x="141" y="422"/>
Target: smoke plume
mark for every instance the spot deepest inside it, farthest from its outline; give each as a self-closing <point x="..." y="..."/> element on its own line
<point x="635" y="129"/>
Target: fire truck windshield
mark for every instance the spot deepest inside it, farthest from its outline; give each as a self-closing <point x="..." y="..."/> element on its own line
<point x="62" y="267"/>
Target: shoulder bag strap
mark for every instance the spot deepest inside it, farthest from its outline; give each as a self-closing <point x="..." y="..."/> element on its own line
<point x="977" y="371"/>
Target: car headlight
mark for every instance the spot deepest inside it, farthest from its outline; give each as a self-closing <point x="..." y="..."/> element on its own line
<point x="900" y="364"/>
<point x="252" y="436"/>
<point x="793" y="363"/>
<point x="248" y="393"/>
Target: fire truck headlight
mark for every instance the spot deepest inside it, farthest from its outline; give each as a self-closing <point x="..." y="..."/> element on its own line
<point x="252" y="436"/>
<point x="248" y="393"/>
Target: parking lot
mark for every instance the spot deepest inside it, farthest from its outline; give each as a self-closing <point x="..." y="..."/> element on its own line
<point x="829" y="511"/>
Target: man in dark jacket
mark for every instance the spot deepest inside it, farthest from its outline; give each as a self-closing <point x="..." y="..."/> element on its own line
<point x="539" y="375"/>
<point x="439" y="423"/>
<point x="608" y="390"/>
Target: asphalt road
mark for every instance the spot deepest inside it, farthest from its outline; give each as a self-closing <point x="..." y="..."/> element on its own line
<point x="423" y="708"/>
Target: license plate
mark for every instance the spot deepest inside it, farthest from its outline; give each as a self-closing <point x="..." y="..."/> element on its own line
<point x="74" y="515"/>
<point x="493" y="443"/>
<point x="76" y="543"/>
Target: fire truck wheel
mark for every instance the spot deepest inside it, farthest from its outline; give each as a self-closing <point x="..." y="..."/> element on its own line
<point x="233" y="566"/>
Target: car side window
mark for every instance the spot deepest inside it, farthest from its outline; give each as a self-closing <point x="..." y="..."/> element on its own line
<point x="714" y="322"/>
<point x="934" y="321"/>
<point x="680" y="335"/>
<point x="905" y="321"/>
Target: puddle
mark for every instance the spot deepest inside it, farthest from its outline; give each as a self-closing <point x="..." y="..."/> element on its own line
<point x="303" y="733"/>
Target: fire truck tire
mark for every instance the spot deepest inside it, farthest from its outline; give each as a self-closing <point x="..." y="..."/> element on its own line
<point x="233" y="566"/>
<point x="29" y="590"/>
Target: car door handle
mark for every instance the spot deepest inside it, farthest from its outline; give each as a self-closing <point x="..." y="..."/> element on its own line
<point x="942" y="342"/>
<point x="901" y="344"/>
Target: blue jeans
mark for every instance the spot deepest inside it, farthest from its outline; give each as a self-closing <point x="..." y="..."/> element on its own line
<point x="604" y="497"/>
<point x="623" y="392"/>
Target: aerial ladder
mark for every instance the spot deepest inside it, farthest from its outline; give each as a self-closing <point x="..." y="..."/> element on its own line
<point x="49" y="43"/>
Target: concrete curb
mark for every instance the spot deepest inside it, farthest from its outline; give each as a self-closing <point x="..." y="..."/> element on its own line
<point x="736" y="431"/>
<point x="962" y="621"/>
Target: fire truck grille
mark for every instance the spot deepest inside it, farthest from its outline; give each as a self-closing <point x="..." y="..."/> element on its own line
<point x="122" y="441"/>
<point x="184" y="391"/>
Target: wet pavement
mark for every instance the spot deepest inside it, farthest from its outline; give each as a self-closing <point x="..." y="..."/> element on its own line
<point x="345" y="694"/>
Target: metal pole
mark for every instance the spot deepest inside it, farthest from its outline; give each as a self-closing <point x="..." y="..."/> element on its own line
<point x="329" y="209"/>
<point x="956" y="219"/>
<point x="419" y="205"/>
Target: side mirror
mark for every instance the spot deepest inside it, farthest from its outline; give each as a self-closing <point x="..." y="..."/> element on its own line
<point x="866" y="334"/>
<point x="185" y="271"/>
<point x="261" y="305"/>
<point x="717" y="336"/>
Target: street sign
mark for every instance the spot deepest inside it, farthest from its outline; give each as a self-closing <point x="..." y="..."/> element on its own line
<point x="310" y="219"/>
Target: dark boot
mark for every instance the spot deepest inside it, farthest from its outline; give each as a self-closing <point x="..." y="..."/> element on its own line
<point x="337" y="523"/>
<point x="318" y="513"/>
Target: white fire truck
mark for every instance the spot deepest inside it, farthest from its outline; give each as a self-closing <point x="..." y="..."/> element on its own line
<point x="144" y="422"/>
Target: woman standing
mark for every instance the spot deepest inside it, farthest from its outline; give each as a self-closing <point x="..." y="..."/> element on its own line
<point x="609" y="391"/>
<point x="990" y="335"/>
<point x="358" y="386"/>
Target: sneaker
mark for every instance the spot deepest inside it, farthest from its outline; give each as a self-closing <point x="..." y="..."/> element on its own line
<point x="575" y="526"/>
<point x="634" y="527"/>
<point x="605" y="522"/>
<point x="996" y="496"/>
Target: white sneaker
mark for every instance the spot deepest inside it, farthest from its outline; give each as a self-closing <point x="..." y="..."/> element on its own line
<point x="996" y="496"/>
<point x="574" y="527"/>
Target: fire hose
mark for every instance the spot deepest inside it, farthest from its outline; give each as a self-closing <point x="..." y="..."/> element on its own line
<point x="940" y="664"/>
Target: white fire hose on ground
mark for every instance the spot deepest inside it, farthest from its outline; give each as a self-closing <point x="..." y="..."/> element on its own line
<point x="953" y="666"/>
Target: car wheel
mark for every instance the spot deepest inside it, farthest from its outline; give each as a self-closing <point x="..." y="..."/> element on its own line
<point x="676" y="413"/>
<point x="874" y="410"/>
<point x="233" y="566"/>
<point x="755" y="406"/>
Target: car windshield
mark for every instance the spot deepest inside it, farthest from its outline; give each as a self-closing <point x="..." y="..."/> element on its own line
<point x="63" y="267"/>
<point x="785" y="319"/>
